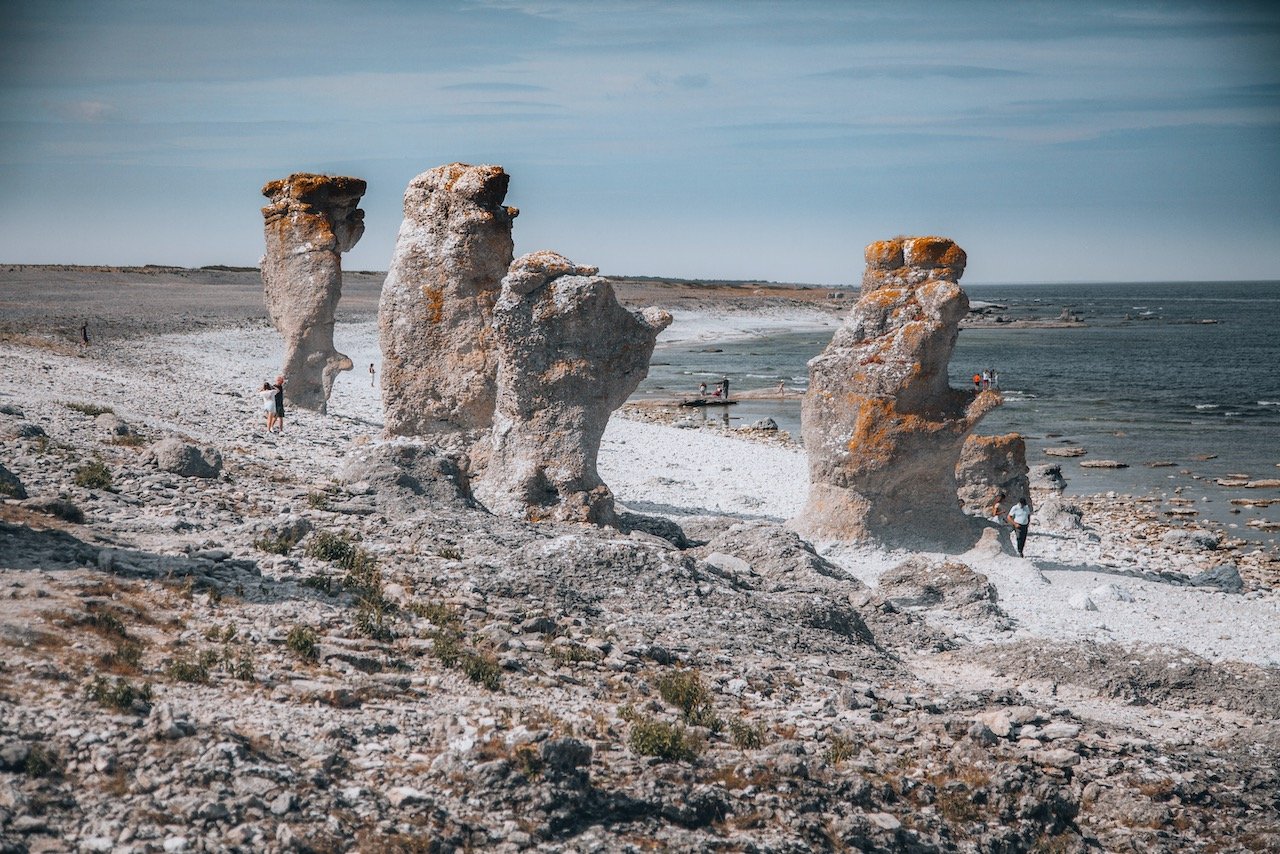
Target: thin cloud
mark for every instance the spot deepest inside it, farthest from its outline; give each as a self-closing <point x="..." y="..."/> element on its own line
<point x="917" y="72"/>
<point x="484" y="86"/>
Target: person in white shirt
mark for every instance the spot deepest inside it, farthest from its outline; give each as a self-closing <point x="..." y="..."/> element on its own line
<point x="268" y="396"/>
<point x="1020" y="518"/>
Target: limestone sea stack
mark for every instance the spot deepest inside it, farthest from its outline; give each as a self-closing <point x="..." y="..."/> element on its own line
<point x="991" y="466"/>
<point x="434" y="317"/>
<point x="310" y="221"/>
<point x="882" y="427"/>
<point x="568" y="355"/>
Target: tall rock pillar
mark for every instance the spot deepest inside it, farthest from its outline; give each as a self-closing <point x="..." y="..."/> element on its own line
<point x="434" y="316"/>
<point x="568" y="355"/>
<point x="881" y="426"/>
<point x="310" y="221"/>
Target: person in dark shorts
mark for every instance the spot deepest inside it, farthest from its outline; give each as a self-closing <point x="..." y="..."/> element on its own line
<point x="1020" y="518"/>
<point x="279" y="404"/>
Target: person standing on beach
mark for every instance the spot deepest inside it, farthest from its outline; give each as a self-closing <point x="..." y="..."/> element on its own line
<point x="724" y="384"/>
<point x="372" y="372"/>
<point x="977" y="382"/>
<point x="995" y="379"/>
<point x="84" y="334"/>
<point x="279" y="404"/>
<point x="702" y="389"/>
<point x="782" y="388"/>
<point x="268" y="397"/>
<point x="1020" y="517"/>
<point x="986" y="380"/>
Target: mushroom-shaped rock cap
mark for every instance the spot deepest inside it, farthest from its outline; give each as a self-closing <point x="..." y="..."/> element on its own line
<point x="316" y="191"/>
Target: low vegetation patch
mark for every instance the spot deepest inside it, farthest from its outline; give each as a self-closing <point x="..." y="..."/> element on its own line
<point x="573" y="653"/>
<point x="278" y="544"/>
<point x="685" y="690"/>
<point x="129" y="440"/>
<point x="42" y="762"/>
<point x="93" y="475"/>
<point x="746" y="735"/>
<point x="671" y="742"/>
<point x="840" y="749"/>
<point x="448" y="648"/>
<point x="93" y="410"/>
<point x="119" y="694"/>
<point x="304" y="642"/>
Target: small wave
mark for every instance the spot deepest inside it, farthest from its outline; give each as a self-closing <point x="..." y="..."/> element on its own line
<point x="1206" y="406"/>
<point x="1231" y="414"/>
<point x="1269" y="402"/>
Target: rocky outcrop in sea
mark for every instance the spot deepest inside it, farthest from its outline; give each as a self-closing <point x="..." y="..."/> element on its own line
<point x="882" y="428"/>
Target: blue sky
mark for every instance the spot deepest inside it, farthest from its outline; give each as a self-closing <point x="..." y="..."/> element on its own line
<point x="1055" y="141"/>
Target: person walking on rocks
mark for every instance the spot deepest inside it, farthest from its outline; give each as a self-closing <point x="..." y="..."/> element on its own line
<point x="268" y="397"/>
<point x="1020" y="517"/>
<point x="977" y="382"/>
<point x="702" y="389"/>
<point x="279" y="404"/>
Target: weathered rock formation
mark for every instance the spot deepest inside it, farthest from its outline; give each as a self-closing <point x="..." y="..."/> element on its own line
<point x="882" y="427"/>
<point x="438" y="354"/>
<point x="989" y="467"/>
<point x="568" y="355"/>
<point x="311" y="221"/>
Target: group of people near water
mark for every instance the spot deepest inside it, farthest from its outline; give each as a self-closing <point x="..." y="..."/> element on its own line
<point x="272" y="396"/>
<point x="721" y="391"/>
<point x="988" y="378"/>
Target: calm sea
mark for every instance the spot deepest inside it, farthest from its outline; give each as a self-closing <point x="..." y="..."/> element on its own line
<point x="1144" y="381"/>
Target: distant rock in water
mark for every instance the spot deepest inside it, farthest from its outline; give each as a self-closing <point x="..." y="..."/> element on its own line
<point x="882" y="427"/>
<point x="989" y="467"/>
<point x="310" y="222"/>
<point x="568" y="355"/>
<point x="438" y="354"/>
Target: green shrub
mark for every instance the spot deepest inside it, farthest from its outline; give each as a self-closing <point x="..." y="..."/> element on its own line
<point x="450" y="553"/>
<point x="329" y="546"/>
<point x="238" y="664"/>
<point x="372" y="620"/>
<point x="483" y="669"/>
<point x="129" y="440"/>
<point x="746" y="735"/>
<point x="93" y="410"/>
<point x="318" y="500"/>
<point x="93" y="475"/>
<point x="119" y="695"/>
<point x="685" y="690"/>
<point x="304" y="641"/>
<point x="186" y="670"/>
<point x="650" y="737"/>
<point x="106" y="623"/>
<point x="446" y="647"/>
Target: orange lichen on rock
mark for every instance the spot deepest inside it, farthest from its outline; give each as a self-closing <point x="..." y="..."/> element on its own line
<point x="884" y="254"/>
<point x="881" y="426"/>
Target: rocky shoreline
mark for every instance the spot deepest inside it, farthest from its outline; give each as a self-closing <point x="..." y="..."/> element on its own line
<point x="302" y="652"/>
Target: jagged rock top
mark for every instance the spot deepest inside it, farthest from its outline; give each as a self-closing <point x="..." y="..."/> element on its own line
<point x="485" y="185"/>
<point x="332" y="197"/>
<point x="908" y="261"/>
